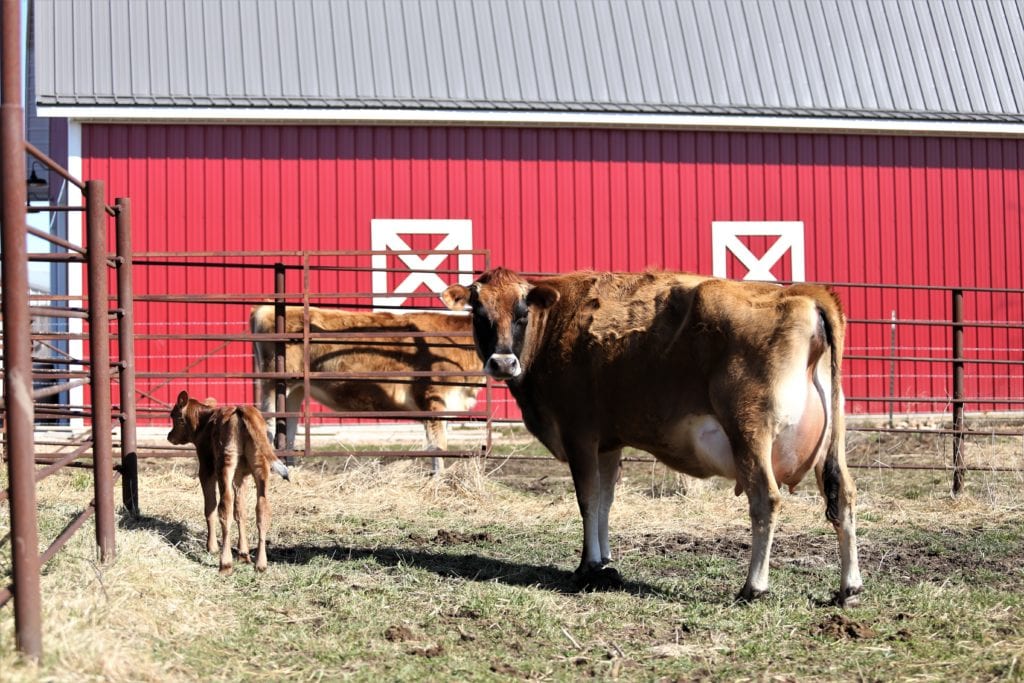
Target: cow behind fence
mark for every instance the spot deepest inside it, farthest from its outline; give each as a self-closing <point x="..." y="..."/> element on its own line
<point x="392" y="346"/>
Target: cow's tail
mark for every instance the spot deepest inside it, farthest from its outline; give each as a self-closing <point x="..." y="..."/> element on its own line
<point x="834" y="325"/>
<point x="256" y="426"/>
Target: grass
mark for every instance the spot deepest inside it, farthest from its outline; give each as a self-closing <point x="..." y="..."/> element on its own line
<point x="379" y="572"/>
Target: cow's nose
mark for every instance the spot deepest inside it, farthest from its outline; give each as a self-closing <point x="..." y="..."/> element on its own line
<point x="503" y="366"/>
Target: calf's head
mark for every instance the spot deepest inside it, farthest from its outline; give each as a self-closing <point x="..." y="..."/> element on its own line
<point x="501" y="302"/>
<point x="185" y="418"/>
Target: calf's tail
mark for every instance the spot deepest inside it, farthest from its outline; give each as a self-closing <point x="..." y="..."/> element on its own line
<point x="256" y="426"/>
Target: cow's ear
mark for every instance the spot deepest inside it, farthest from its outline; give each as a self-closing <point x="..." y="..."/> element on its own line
<point x="182" y="399"/>
<point x="456" y="297"/>
<point x="542" y="297"/>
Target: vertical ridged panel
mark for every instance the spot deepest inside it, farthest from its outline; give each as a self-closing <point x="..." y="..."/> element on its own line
<point x="876" y="209"/>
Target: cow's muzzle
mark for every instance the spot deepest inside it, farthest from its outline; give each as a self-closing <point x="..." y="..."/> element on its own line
<point x="503" y="366"/>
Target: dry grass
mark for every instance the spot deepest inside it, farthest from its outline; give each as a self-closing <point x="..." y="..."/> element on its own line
<point x="379" y="571"/>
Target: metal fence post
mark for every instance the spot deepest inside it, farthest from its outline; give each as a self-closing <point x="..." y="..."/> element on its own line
<point x="126" y="356"/>
<point x="99" y="367"/>
<point x="958" y="391"/>
<point x="280" y="387"/>
<point x="19" y="413"/>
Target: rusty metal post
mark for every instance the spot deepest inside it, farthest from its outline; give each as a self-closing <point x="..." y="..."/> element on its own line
<point x="126" y="353"/>
<point x="280" y="387"/>
<point x="99" y="368"/>
<point x="19" y="417"/>
<point x="958" y="391"/>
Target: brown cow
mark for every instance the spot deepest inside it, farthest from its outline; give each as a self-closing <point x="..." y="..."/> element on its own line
<point x="231" y="443"/>
<point x="391" y="352"/>
<point x="713" y="377"/>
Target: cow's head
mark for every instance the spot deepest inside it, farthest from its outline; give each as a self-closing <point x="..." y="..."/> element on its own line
<point x="501" y="302"/>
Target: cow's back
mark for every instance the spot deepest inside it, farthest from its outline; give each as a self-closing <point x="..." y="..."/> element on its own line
<point x="633" y="356"/>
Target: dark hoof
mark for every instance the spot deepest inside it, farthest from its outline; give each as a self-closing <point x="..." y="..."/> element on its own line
<point x="597" y="578"/>
<point x="848" y="597"/>
<point x="748" y="595"/>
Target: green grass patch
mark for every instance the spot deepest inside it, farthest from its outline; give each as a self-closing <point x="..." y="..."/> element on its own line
<point x="380" y="572"/>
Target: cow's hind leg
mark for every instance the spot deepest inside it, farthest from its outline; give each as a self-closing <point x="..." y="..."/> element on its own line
<point x="594" y="497"/>
<point x="241" y="493"/>
<point x="840" y="494"/>
<point x="764" y="501"/>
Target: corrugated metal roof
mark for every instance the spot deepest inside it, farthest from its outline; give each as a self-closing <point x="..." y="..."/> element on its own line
<point x="917" y="59"/>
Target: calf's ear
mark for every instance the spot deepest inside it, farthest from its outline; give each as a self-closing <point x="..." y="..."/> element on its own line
<point x="210" y="402"/>
<point x="182" y="399"/>
<point x="542" y="297"/>
<point x="456" y="297"/>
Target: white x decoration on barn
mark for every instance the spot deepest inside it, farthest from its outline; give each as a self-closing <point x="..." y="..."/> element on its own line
<point x="389" y="237"/>
<point x="725" y="239"/>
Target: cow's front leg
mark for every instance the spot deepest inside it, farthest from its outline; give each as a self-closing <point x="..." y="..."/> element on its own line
<point x="241" y="493"/>
<point x="586" y="467"/>
<point x="764" y="500"/>
<point x="609" y="468"/>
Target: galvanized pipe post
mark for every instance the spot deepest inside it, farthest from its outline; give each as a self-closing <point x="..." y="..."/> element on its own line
<point x="99" y="368"/>
<point x="958" y="391"/>
<point x="280" y="387"/>
<point x="126" y="353"/>
<point x="19" y="416"/>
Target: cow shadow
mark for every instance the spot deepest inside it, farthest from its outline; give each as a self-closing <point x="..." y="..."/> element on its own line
<point x="466" y="566"/>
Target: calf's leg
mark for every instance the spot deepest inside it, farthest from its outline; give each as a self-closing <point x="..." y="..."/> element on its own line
<point x="227" y="499"/>
<point x="241" y="493"/>
<point x="208" y="481"/>
<point x="262" y="520"/>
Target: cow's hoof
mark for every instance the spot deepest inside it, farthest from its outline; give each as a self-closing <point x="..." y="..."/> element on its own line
<point x="225" y="570"/>
<point x="212" y="548"/>
<point x="848" y="597"/>
<point x="748" y="595"/>
<point x="597" y="578"/>
<point x="261" y="567"/>
<point x="244" y="558"/>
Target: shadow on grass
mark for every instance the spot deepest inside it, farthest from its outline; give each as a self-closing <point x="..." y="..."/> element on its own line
<point x="176" y="534"/>
<point x="467" y="566"/>
<point x="471" y="567"/>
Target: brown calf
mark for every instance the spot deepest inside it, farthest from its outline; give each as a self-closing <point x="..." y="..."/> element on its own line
<point x="713" y="377"/>
<point x="231" y="444"/>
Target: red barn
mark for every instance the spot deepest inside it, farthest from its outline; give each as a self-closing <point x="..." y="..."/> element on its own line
<point x="793" y="139"/>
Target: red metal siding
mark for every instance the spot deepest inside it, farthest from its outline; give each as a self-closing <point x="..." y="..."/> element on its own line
<point x="875" y="209"/>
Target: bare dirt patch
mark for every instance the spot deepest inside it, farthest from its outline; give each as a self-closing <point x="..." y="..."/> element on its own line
<point x="841" y="627"/>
